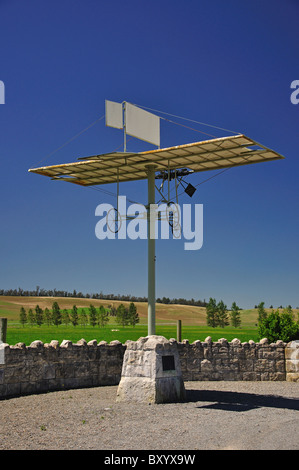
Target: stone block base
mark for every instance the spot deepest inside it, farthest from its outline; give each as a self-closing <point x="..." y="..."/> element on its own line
<point x="147" y="390"/>
<point x="151" y="372"/>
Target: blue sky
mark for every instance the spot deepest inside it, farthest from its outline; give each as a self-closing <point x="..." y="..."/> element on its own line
<point x="207" y="60"/>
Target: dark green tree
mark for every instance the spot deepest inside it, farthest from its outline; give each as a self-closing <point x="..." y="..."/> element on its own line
<point x="23" y="316"/>
<point x="235" y="316"/>
<point x="48" y="317"/>
<point x="112" y="311"/>
<point x="65" y="317"/>
<point x="74" y="316"/>
<point x="103" y="317"/>
<point x="92" y="315"/>
<point x="39" y="317"/>
<point x="222" y="315"/>
<point x="83" y="317"/>
<point x="56" y="314"/>
<point x="261" y="312"/>
<point x="133" y="316"/>
<point x="122" y="315"/>
<point x="31" y="317"/>
<point x="211" y="309"/>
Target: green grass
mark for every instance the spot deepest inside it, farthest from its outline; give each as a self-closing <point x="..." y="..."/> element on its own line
<point x="16" y="333"/>
<point x="193" y="322"/>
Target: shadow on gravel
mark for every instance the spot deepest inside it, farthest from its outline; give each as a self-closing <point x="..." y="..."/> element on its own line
<point x="235" y="401"/>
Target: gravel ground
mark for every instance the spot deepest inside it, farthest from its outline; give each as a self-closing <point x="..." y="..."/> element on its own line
<point x="215" y="415"/>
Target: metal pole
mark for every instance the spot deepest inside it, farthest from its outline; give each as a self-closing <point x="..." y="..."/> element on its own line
<point x="151" y="306"/>
<point x="3" y="329"/>
<point x="125" y="133"/>
<point x="179" y="331"/>
<point x="117" y="220"/>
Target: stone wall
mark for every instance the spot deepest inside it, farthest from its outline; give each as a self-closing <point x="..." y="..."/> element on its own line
<point x="232" y="361"/>
<point x="47" y="367"/>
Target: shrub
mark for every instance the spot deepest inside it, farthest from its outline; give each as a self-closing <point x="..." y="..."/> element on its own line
<point x="279" y="326"/>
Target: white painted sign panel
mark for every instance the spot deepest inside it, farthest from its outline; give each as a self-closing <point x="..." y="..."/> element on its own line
<point x="114" y="114"/>
<point x="142" y="125"/>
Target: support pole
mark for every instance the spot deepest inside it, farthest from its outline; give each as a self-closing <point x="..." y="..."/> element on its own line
<point x="3" y="330"/>
<point x="151" y="306"/>
<point x="179" y="331"/>
<point x="125" y="131"/>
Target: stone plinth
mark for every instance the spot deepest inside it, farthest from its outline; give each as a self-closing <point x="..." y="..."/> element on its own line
<point x="292" y="361"/>
<point x="151" y="372"/>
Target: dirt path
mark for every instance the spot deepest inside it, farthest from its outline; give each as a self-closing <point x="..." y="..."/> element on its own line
<point x="215" y="415"/>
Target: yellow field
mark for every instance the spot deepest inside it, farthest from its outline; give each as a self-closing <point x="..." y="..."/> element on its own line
<point x="165" y="313"/>
<point x="10" y="308"/>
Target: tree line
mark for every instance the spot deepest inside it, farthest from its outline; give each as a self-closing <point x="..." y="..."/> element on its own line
<point x="94" y="316"/>
<point x="217" y="314"/>
<point x="40" y="292"/>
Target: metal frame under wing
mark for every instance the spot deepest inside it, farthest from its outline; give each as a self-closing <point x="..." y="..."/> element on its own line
<point x="206" y="155"/>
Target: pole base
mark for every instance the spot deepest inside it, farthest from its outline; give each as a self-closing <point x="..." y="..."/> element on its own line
<point x="151" y="372"/>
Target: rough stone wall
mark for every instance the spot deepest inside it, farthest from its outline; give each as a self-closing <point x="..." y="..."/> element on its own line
<point x="232" y="361"/>
<point x="47" y="367"/>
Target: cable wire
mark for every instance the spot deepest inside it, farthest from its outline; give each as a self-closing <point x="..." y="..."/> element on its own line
<point x="109" y="193"/>
<point x="190" y="120"/>
<point x="71" y="139"/>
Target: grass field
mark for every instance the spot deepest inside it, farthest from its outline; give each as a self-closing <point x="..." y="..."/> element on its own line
<point x="46" y="334"/>
<point x="193" y="322"/>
